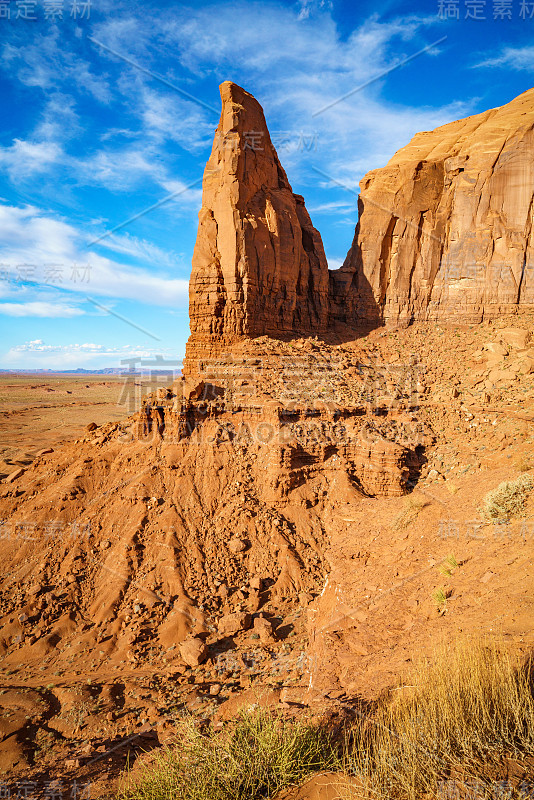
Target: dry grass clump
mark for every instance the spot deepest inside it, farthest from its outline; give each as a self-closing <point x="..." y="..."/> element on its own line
<point x="439" y="596"/>
<point x="523" y="464"/>
<point x="507" y="500"/>
<point x="465" y="713"/>
<point x="413" y="505"/>
<point x="448" y="565"/>
<point x="255" y="758"/>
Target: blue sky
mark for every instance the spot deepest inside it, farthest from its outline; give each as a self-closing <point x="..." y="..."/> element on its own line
<point x="90" y="137"/>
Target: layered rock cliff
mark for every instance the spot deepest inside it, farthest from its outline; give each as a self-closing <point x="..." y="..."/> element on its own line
<point x="259" y="265"/>
<point x="445" y="228"/>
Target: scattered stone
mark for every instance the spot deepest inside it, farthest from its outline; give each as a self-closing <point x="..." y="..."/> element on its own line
<point x="14" y="475"/>
<point x="496" y="349"/>
<point x="236" y="545"/>
<point x="231" y="624"/>
<point x="293" y="695"/>
<point x="193" y="651"/>
<point x="515" y="337"/>
<point x="264" y="629"/>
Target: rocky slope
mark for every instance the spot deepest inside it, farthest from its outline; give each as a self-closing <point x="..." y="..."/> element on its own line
<point x="445" y="228"/>
<point x="207" y="554"/>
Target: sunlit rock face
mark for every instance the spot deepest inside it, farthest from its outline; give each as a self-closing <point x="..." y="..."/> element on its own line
<point x="445" y="228"/>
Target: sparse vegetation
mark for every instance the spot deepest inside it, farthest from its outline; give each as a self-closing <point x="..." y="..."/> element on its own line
<point x="462" y="716"/>
<point x="255" y="758"/>
<point x="507" y="500"/>
<point x="523" y="464"/>
<point x="446" y="567"/>
<point x="440" y="598"/>
<point x="466" y="713"/>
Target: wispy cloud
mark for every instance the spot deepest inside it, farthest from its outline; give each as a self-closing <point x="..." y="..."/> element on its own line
<point x="47" y="63"/>
<point x="517" y="58"/>
<point x="331" y="208"/>
<point x="29" y="237"/>
<point x="296" y="60"/>
<point x="143" y="250"/>
<point x="40" y="309"/>
<point x="292" y="56"/>
<point x="37" y="354"/>
<point x="24" y="159"/>
<point x="309" y="7"/>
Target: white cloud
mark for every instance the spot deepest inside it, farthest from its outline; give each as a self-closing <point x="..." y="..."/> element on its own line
<point x="141" y="249"/>
<point x="39" y="309"/>
<point x="518" y="58"/>
<point x="296" y="62"/>
<point x="46" y="62"/>
<point x="334" y="263"/>
<point x="59" y="120"/>
<point x="331" y="208"/>
<point x="29" y="237"/>
<point x="166" y="116"/>
<point x="156" y="117"/>
<point x="23" y="159"/>
<point x="36" y="354"/>
<point x="294" y="59"/>
<point x="308" y="7"/>
<point x="117" y="170"/>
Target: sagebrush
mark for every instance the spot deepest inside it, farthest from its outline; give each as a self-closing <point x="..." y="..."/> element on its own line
<point x="507" y="500"/>
<point x="254" y="758"/>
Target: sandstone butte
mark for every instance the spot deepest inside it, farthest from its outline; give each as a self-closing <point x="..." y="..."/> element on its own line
<point x="445" y="228"/>
<point x="259" y="265"/>
<point x="444" y="232"/>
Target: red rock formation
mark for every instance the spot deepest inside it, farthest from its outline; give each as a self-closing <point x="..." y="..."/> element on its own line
<point x="258" y="266"/>
<point x="445" y="228"/>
